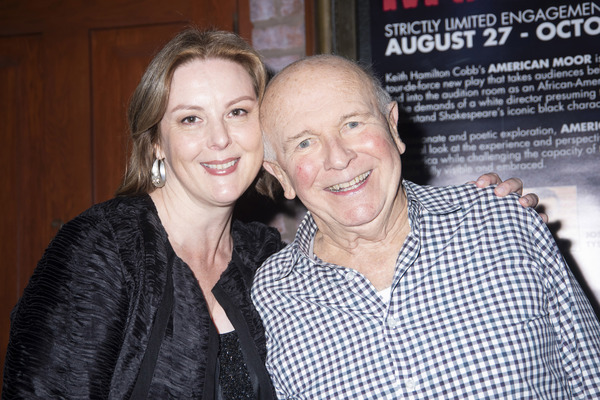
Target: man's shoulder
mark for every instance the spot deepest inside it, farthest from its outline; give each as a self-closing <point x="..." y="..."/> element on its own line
<point x="278" y="271"/>
<point x="274" y="265"/>
<point x="464" y="196"/>
<point x="275" y="273"/>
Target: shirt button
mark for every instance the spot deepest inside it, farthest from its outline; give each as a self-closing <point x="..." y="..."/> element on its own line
<point x="350" y="276"/>
<point x="411" y="384"/>
<point x="393" y="323"/>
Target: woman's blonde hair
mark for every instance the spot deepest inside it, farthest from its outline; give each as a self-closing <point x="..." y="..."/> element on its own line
<point x="149" y="101"/>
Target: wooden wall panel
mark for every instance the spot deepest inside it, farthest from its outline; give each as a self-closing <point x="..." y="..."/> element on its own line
<point x="22" y="167"/>
<point x="118" y="56"/>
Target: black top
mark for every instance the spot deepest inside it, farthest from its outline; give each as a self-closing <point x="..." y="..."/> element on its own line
<point x="81" y="328"/>
<point x="234" y="379"/>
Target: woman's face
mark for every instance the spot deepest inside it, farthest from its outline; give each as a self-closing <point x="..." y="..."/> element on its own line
<point x="210" y="134"/>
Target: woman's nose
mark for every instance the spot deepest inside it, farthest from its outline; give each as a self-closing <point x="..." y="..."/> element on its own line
<point x="219" y="136"/>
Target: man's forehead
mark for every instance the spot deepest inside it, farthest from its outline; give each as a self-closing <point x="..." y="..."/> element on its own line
<point x="315" y="88"/>
<point x="316" y="69"/>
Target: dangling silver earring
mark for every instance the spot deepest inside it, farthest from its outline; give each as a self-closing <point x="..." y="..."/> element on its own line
<point x="158" y="173"/>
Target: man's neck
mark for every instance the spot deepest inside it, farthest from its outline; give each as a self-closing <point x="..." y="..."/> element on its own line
<point x="373" y="256"/>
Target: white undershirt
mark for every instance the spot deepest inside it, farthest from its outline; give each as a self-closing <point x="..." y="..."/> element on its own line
<point x="385" y="294"/>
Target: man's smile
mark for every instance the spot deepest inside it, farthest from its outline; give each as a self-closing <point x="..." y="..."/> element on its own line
<point x="350" y="185"/>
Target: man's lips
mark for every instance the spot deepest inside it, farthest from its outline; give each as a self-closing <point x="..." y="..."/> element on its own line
<point x="221" y="168"/>
<point x="350" y="185"/>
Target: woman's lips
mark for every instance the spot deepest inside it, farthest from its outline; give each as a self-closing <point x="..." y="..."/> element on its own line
<point x="221" y="167"/>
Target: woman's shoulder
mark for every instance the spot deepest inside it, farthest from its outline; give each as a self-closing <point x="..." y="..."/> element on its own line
<point x="256" y="239"/>
<point x="118" y="207"/>
<point x="254" y="232"/>
<point x="108" y="225"/>
<point x="111" y="214"/>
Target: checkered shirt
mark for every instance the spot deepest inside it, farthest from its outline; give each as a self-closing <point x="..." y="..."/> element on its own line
<point x="482" y="306"/>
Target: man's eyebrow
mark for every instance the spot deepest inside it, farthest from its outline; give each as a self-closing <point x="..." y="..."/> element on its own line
<point x="354" y="115"/>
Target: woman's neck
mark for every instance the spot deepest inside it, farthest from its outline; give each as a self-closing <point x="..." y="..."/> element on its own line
<point x="199" y="228"/>
<point x="201" y="237"/>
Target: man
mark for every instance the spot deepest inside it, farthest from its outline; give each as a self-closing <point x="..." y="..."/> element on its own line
<point x="394" y="290"/>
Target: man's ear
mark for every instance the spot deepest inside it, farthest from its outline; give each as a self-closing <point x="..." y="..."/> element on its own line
<point x="275" y="169"/>
<point x="392" y="119"/>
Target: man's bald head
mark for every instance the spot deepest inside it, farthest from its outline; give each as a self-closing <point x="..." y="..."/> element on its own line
<point x="288" y="84"/>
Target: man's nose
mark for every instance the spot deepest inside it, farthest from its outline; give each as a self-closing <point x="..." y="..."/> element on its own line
<point x="339" y="153"/>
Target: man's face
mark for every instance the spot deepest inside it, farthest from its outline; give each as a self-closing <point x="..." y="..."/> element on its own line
<point x="334" y="149"/>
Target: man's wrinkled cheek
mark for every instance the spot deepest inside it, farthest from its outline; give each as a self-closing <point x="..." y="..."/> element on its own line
<point x="303" y="175"/>
<point x="381" y="143"/>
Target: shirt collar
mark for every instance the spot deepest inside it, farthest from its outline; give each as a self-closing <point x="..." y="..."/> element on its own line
<point x="420" y="201"/>
<point x="427" y="198"/>
<point x="300" y="248"/>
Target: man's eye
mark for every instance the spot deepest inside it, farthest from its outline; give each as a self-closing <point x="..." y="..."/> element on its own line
<point x="304" y="144"/>
<point x="353" y="124"/>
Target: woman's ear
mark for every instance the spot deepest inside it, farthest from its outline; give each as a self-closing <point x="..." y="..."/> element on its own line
<point x="275" y="169"/>
<point x="158" y="152"/>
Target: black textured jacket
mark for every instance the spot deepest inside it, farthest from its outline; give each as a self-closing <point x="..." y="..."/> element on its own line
<point x="81" y="328"/>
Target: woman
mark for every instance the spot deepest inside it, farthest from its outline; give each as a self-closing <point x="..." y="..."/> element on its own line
<point x="147" y="295"/>
<point x="91" y="316"/>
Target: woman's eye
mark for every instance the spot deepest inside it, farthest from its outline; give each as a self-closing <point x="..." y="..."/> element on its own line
<point x="190" y="120"/>
<point x="238" y="112"/>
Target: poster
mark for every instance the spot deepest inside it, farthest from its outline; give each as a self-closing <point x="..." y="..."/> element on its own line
<point x="508" y="86"/>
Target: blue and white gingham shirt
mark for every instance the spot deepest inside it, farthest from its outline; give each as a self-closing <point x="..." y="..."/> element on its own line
<point x="482" y="306"/>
